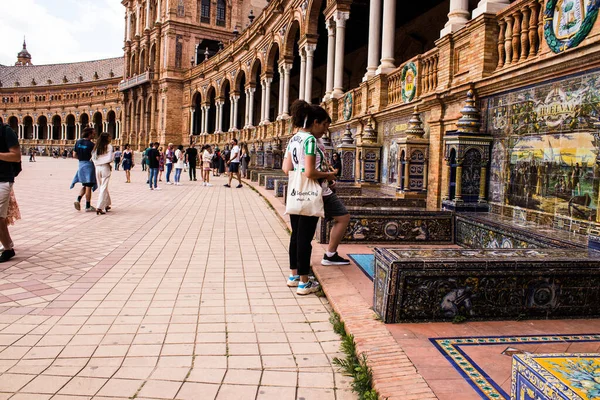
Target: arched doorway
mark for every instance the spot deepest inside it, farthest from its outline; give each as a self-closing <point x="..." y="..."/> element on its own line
<point x="97" y="122"/>
<point x="196" y="128"/>
<point x="42" y="127"/>
<point x="84" y="120"/>
<point x="276" y="83"/>
<point x="112" y="124"/>
<point x="70" y="121"/>
<point x="240" y="88"/>
<point x="28" y="127"/>
<point x="293" y="49"/>
<point x="14" y="123"/>
<point x="56" y="127"/>
<point x="211" y="114"/>
<point x="255" y="74"/>
<point x="142" y="61"/>
<point x="226" y="96"/>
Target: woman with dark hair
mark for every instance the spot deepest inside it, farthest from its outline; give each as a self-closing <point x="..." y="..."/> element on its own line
<point x="302" y="154"/>
<point x="179" y="164"/>
<point x="103" y="156"/>
<point x="127" y="162"/>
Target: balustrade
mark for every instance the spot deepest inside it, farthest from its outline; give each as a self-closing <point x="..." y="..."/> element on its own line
<point x="429" y="71"/>
<point x="520" y="32"/>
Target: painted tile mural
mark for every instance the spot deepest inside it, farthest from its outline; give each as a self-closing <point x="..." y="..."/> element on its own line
<point x="546" y="145"/>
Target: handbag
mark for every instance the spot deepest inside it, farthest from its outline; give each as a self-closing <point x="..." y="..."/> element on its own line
<point x="304" y="196"/>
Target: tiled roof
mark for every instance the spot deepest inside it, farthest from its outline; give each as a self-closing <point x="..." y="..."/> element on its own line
<point x="53" y="74"/>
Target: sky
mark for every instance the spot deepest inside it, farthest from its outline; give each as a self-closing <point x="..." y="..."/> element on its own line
<point x="60" y="31"/>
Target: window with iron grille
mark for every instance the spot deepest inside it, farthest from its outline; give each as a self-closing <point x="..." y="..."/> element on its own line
<point x="221" y="13"/>
<point x="205" y="11"/>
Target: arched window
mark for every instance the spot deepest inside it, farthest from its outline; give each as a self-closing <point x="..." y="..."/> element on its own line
<point x="205" y="11"/>
<point x="221" y="12"/>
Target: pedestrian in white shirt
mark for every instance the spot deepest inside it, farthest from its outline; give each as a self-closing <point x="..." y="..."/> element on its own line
<point x="179" y="161"/>
<point x="234" y="163"/>
<point x="103" y="156"/>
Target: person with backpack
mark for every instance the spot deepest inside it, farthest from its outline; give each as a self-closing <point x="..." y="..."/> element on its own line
<point x="10" y="167"/>
<point x="86" y="173"/>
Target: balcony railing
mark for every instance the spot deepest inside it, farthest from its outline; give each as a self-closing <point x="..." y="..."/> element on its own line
<point x="521" y="32"/>
<point x="136" y="80"/>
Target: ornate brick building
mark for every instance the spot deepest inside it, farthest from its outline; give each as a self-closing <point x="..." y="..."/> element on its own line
<point x="394" y="77"/>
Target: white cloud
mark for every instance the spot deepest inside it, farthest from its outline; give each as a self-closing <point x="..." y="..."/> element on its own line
<point x="60" y="31"/>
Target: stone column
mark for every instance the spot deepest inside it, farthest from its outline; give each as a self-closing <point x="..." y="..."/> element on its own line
<point x="287" y="67"/>
<point x="202" y="120"/>
<point x="482" y="182"/>
<point x="340" y="36"/>
<point x="36" y="128"/>
<point x="387" y="40"/>
<point x="446" y="186"/>
<point x="457" y="17"/>
<point x="192" y="115"/>
<point x="490" y="7"/>
<point x="458" y="186"/>
<point x="220" y="105"/>
<point x="267" y="102"/>
<point x="158" y="11"/>
<point x="117" y="130"/>
<point x="137" y="20"/>
<point x="302" y="73"/>
<point x="147" y="15"/>
<point x="281" y="84"/>
<point x="20" y="131"/>
<point x="247" y="110"/>
<point x="63" y="134"/>
<point x="330" y="24"/>
<point x="309" y="49"/>
<point x="374" y="38"/>
<point x="263" y="88"/>
<point x="250" y="99"/>
<point x="128" y="27"/>
<point x="234" y="113"/>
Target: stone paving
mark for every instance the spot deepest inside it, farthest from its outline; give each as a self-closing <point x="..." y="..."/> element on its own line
<point x="174" y="294"/>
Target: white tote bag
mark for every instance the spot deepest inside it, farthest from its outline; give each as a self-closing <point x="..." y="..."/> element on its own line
<point x="304" y="196"/>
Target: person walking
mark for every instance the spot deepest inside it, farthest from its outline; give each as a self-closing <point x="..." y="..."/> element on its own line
<point x="179" y="164"/>
<point x="118" y="155"/>
<point x="245" y="161"/>
<point x="206" y="161"/>
<point x="161" y="163"/>
<point x="86" y="173"/>
<point x="103" y="156"/>
<point x="191" y="158"/>
<point x="10" y="153"/>
<point x="127" y="162"/>
<point x="234" y="163"/>
<point x="153" y="162"/>
<point x="302" y="155"/>
<point x="169" y="154"/>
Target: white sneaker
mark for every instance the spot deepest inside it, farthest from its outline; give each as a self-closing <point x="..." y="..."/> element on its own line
<point x="209" y="184"/>
<point x="203" y="183"/>
<point x="151" y="188"/>
<point x="157" y="188"/>
<point x="169" y="183"/>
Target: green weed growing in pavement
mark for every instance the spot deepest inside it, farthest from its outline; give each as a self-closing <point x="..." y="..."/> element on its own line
<point x="354" y="365"/>
<point x="459" y="319"/>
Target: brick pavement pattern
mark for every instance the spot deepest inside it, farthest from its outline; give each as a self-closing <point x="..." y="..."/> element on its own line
<point x="174" y="294"/>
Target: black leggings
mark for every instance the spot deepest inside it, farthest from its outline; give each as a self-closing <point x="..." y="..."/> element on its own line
<point x="303" y="231"/>
<point x="192" y="170"/>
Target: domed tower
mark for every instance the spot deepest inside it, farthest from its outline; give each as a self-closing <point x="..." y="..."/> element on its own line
<point x="24" y="58"/>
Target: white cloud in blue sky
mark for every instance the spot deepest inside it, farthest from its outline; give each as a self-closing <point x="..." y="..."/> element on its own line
<point x="60" y="31"/>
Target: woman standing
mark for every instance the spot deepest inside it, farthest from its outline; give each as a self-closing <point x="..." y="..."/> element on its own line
<point x="245" y="161"/>
<point x="169" y="161"/>
<point x="302" y="154"/>
<point x="206" y="161"/>
<point x="103" y="156"/>
<point x="161" y="163"/>
<point x="127" y="162"/>
<point x="179" y="164"/>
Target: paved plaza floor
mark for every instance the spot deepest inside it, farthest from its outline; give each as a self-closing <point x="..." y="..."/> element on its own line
<point x="174" y="294"/>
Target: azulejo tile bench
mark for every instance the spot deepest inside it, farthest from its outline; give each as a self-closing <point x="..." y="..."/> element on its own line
<point x="555" y="376"/>
<point x="394" y="225"/>
<point x="262" y="176"/>
<point x="485" y="284"/>
<point x="279" y="183"/>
